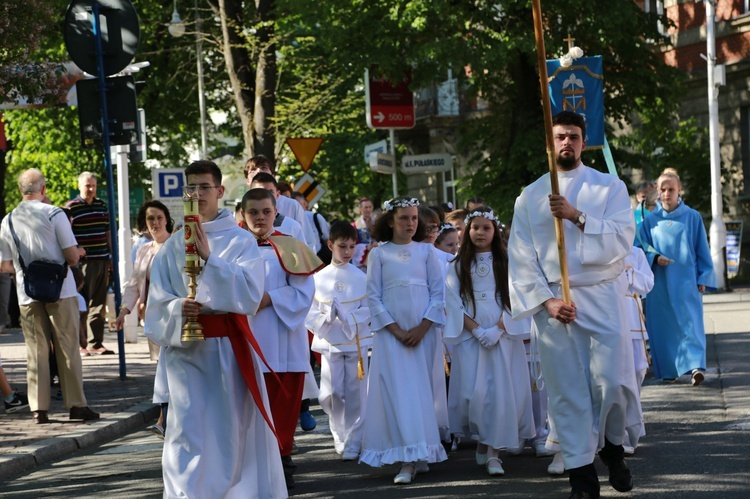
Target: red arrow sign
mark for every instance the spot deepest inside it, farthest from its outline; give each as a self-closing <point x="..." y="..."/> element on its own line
<point x="389" y="104"/>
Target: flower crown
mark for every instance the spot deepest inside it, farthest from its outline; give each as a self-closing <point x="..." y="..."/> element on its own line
<point x="445" y="226"/>
<point x="401" y="203"/>
<point x="489" y="215"/>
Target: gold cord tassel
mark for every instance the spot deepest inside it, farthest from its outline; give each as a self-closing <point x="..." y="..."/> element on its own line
<point x="642" y="318"/>
<point x="360" y="362"/>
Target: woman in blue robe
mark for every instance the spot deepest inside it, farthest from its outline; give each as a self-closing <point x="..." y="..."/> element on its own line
<point x="681" y="261"/>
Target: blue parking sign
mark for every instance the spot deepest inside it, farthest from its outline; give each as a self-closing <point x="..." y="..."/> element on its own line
<point x="167" y="186"/>
<point x="170" y="183"/>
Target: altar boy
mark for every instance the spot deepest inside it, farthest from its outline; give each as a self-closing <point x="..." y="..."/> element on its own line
<point x="221" y="440"/>
<point x="279" y="324"/>
<point x="339" y="318"/>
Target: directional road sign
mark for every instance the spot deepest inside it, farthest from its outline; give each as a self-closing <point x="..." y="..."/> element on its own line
<point x="390" y="104"/>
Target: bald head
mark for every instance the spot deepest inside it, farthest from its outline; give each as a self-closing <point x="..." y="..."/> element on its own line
<point x="31" y="181"/>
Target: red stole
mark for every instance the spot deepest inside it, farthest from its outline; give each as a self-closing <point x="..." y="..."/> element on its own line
<point x="236" y="328"/>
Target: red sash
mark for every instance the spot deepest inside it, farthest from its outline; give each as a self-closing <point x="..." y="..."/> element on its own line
<point x="236" y="328"/>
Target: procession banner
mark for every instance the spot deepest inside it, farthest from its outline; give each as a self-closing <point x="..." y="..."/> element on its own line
<point x="580" y="88"/>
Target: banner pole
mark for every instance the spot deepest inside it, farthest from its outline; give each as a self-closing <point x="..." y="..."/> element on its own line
<point x="547" y="108"/>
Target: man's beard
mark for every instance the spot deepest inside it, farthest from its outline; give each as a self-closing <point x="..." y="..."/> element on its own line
<point x="567" y="162"/>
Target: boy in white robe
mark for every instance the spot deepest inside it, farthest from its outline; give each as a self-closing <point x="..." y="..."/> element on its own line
<point x="284" y="205"/>
<point x="584" y="346"/>
<point x="279" y="323"/>
<point x="285" y="225"/>
<point x="340" y="320"/>
<point x="640" y="281"/>
<point x="221" y="441"/>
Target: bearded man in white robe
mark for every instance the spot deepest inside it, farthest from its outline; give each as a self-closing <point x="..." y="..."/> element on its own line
<point x="584" y="347"/>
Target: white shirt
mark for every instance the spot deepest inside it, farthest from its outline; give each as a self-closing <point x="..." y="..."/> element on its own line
<point x="43" y="232"/>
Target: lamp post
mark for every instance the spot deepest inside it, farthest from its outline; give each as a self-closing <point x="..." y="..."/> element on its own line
<point x="177" y="29"/>
<point x="718" y="230"/>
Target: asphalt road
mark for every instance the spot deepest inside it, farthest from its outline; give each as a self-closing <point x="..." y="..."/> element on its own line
<point x="692" y="450"/>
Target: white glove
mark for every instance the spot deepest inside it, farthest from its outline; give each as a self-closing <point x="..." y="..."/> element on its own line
<point x="490" y="337"/>
<point x="335" y="309"/>
<point x="478" y="332"/>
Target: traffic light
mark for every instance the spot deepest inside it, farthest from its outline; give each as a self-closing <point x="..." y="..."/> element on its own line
<point x="121" y="107"/>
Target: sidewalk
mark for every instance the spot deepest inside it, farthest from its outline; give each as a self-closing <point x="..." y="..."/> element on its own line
<point x="123" y="405"/>
<point x="126" y="405"/>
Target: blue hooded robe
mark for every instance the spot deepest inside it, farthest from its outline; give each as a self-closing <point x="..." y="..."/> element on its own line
<point x="674" y="307"/>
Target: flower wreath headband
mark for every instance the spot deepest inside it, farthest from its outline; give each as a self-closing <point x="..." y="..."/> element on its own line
<point x="445" y="226"/>
<point x="489" y="215"/>
<point x="401" y="203"/>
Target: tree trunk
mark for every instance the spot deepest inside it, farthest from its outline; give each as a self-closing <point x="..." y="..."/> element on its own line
<point x="239" y="68"/>
<point x="252" y="71"/>
<point x="265" y="79"/>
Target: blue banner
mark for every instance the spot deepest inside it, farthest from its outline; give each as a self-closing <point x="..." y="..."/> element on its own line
<point x="580" y="88"/>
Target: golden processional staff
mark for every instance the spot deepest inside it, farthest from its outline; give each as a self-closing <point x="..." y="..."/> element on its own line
<point x="547" y="109"/>
<point x="192" y="329"/>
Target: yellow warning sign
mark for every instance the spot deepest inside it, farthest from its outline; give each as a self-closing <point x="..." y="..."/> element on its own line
<point x="304" y="150"/>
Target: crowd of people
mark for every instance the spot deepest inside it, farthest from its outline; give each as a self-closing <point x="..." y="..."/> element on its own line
<point x="433" y="327"/>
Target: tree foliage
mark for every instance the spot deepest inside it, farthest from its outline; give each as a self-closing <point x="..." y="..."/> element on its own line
<point x="319" y="53"/>
<point x="24" y="25"/>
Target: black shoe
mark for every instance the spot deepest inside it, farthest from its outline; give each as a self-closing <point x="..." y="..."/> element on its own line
<point x="289" y="469"/>
<point x="40" y="417"/>
<point x="580" y="494"/>
<point x="619" y="474"/>
<point x="18" y="402"/>
<point x="83" y="413"/>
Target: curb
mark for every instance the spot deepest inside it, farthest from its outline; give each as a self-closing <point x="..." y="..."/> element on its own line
<point x="105" y="430"/>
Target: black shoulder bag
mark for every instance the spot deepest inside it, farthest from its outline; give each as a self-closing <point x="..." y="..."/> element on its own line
<point x="323" y="253"/>
<point x="42" y="281"/>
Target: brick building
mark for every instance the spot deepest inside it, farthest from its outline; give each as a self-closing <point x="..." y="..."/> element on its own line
<point x="687" y="52"/>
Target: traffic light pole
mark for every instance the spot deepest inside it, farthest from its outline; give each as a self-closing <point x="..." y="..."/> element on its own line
<point x="96" y="8"/>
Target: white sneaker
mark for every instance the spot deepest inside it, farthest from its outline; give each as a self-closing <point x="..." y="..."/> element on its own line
<point x="349" y="455"/>
<point x="406" y="475"/>
<point x="422" y="467"/>
<point x="541" y="450"/>
<point x="628" y="449"/>
<point x="495" y="466"/>
<point x="557" y="467"/>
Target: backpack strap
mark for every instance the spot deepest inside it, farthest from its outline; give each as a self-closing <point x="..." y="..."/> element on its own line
<point x="317" y="226"/>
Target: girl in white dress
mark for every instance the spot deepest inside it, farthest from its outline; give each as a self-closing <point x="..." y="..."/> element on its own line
<point x="489" y="398"/>
<point x="407" y="409"/>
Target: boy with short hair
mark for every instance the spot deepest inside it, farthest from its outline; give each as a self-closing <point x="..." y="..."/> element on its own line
<point x="221" y="440"/>
<point x="283" y="224"/>
<point x="339" y="318"/>
<point x="279" y="324"/>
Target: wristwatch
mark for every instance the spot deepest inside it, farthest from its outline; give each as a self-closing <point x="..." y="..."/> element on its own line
<point x="581" y="219"/>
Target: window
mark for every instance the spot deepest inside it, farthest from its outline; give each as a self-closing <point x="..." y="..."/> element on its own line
<point x="657" y="7"/>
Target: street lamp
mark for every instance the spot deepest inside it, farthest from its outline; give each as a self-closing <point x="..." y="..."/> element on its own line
<point x="177" y="29"/>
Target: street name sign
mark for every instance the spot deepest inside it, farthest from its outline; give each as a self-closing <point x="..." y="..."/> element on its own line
<point x="427" y="163"/>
